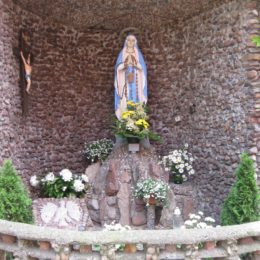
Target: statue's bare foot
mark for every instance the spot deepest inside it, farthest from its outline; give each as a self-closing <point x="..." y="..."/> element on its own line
<point x="28" y="90"/>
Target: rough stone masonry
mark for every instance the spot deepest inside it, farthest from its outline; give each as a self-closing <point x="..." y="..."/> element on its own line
<point x="203" y="69"/>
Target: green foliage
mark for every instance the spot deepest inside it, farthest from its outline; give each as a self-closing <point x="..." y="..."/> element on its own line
<point x="256" y="40"/>
<point x="242" y="203"/>
<point x="15" y="204"/>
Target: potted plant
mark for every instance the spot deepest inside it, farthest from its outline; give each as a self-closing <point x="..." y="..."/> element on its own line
<point x="153" y="192"/>
<point x="63" y="185"/>
<point x="15" y="204"/>
<point x="134" y="126"/>
<point x="63" y="202"/>
<point x="98" y="151"/>
<point x="179" y="165"/>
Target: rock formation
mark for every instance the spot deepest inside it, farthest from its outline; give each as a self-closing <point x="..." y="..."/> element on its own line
<point x="113" y="184"/>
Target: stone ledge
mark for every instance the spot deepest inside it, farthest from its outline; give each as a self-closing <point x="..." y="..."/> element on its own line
<point x="159" y="237"/>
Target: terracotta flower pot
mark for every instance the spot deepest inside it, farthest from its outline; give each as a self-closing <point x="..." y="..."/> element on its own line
<point x="152" y="200"/>
<point x="130" y="248"/>
<point x="8" y="239"/>
<point x="209" y="245"/>
<point x="44" y="245"/>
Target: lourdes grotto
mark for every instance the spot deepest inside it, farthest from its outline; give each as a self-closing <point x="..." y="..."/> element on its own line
<point x="129" y="130"/>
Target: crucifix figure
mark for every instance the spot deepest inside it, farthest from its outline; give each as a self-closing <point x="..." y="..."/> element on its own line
<point x="28" y="70"/>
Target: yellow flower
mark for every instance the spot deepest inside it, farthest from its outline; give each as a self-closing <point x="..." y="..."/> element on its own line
<point x="130" y="103"/>
<point x="142" y="122"/>
<point x="126" y="114"/>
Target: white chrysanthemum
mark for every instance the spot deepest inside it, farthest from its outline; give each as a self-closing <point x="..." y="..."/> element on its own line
<point x="50" y="177"/>
<point x="84" y="177"/>
<point x="181" y="170"/>
<point x="64" y="188"/>
<point x="78" y="186"/>
<point x="66" y="175"/>
<point x="186" y="145"/>
<point x="201" y="213"/>
<point x="202" y="225"/>
<point x="209" y="219"/>
<point x="34" y="181"/>
<point x="188" y="223"/>
<point x="192" y="172"/>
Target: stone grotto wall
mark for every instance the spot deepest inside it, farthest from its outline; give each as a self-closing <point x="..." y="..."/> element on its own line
<point x="196" y="70"/>
<point x="71" y="98"/>
<point x="10" y="105"/>
<point x="201" y="77"/>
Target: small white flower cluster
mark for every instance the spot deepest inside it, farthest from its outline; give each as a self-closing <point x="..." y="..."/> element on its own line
<point x="64" y="182"/>
<point x="116" y="227"/>
<point x="179" y="162"/>
<point x="66" y="175"/>
<point x="98" y="150"/>
<point x="198" y="221"/>
<point x="147" y="187"/>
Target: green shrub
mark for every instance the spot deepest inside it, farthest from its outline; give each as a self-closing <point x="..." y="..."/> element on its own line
<point x="15" y="204"/>
<point x="242" y="203"/>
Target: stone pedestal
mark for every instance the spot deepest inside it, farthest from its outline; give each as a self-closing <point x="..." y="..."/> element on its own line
<point x="151" y="217"/>
<point x="113" y="186"/>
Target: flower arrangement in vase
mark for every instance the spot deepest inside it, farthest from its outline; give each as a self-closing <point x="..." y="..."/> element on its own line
<point x="153" y="192"/>
<point x="179" y="165"/>
<point x="134" y="125"/>
<point x="63" y="185"/>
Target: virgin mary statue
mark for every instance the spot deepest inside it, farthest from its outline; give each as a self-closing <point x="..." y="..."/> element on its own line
<point x="130" y="76"/>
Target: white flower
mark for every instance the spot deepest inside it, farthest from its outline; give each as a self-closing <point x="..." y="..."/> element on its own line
<point x="78" y="186"/>
<point x="201" y="213"/>
<point x="84" y="177"/>
<point x="202" y="225"/>
<point x="192" y="172"/>
<point x="50" y="177"/>
<point x="64" y="188"/>
<point x="181" y="171"/>
<point x="66" y="175"/>
<point x="186" y="145"/>
<point x="209" y="219"/>
<point x="33" y="181"/>
<point x="184" y="177"/>
<point x="188" y="223"/>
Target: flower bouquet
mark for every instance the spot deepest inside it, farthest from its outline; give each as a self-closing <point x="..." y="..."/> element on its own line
<point x="98" y="150"/>
<point x="134" y="123"/>
<point x="64" y="185"/>
<point x="179" y="164"/>
<point x="153" y="192"/>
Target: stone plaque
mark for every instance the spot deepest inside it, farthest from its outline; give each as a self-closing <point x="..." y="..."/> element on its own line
<point x="62" y="213"/>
